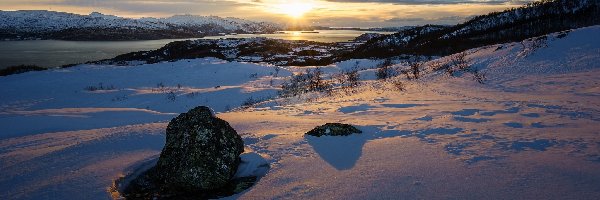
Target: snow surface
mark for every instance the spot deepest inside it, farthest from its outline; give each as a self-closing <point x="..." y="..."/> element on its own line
<point x="530" y="132"/>
<point x="57" y="100"/>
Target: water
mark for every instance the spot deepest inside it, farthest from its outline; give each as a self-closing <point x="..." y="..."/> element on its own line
<point x="54" y="53"/>
<point x="318" y="36"/>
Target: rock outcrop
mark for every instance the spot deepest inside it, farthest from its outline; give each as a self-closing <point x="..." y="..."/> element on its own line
<point x="333" y="129"/>
<point x="202" y="152"/>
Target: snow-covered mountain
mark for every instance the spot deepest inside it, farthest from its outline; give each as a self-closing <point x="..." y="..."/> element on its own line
<point x="45" y="21"/>
<point x="229" y="23"/>
<point x="50" y="24"/>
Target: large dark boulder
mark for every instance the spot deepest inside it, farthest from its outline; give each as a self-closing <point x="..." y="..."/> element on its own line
<point x="202" y="152"/>
<point x="333" y="129"/>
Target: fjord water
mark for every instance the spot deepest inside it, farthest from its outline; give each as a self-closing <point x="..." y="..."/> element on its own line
<point x="54" y="53"/>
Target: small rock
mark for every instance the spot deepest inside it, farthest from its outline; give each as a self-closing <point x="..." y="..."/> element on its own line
<point x="333" y="129"/>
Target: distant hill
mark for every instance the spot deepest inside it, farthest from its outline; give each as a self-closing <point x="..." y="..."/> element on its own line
<point x="534" y="19"/>
<point x="42" y="24"/>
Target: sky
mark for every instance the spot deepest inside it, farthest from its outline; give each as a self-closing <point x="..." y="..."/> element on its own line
<point x="337" y="13"/>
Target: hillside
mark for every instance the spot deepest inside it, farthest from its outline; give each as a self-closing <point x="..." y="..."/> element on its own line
<point x="96" y="26"/>
<point x="534" y="19"/>
<point x="529" y="132"/>
<point x="259" y="50"/>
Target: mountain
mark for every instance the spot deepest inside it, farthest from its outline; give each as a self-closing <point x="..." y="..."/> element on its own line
<point x="97" y="26"/>
<point x="228" y="24"/>
<point x="534" y="19"/>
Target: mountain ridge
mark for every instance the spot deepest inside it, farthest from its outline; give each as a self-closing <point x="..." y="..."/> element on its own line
<point x="43" y="24"/>
<point x="534" y="19"/>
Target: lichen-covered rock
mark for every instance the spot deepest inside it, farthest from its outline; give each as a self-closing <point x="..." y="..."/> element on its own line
<point x="202" y="152"/>
<point x="333" y="129"/>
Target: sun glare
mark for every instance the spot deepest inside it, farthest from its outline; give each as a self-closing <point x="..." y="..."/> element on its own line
<point x="294" y="9"/>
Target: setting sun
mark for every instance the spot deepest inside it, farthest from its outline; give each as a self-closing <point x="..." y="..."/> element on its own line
<point x="294" y="9"/>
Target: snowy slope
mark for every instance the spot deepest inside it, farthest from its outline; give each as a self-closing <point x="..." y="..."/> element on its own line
<point x="530" y="132"/>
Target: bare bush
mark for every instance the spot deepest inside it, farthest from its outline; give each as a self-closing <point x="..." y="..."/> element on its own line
<point x="316" y="82"/>
<point x="347" y="80"/>
<point x="406" y="73"/>
<point x="414" y="69"/>
<point x="353" y="77"/>
<point x="339" y="78"/>
<point x="438" y="65"/>
<point x="385" y="70"/>
<point x="295" y="86"/>
<point x="457" y="62"/>
<point x="304" y="82"/>
<point x="479" y="76"/>
<point x="460" y="61"/>
<point x="160" y="87"/>
<point x="252" y="101"/>
<point x="398" y="85"/>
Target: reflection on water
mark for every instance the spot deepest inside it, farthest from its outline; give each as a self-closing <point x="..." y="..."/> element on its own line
<point x="318" y="36"/>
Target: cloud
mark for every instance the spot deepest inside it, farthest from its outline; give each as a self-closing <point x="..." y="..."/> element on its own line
<point x="362" y="13"/>
<point x="158" y="6"/>
<point x="418" y="19"/>
<point x="437" y="2"/>
<point x="134" y="7"/>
